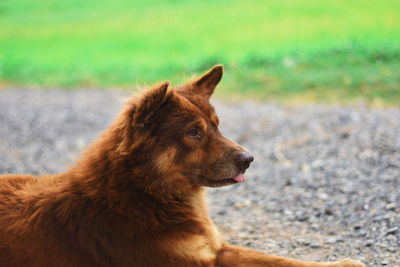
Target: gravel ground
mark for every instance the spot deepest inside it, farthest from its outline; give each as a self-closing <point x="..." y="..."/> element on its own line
<point x="325" y="183"/>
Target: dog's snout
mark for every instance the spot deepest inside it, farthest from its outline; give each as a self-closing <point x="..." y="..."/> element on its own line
<point x="243" y="160"/>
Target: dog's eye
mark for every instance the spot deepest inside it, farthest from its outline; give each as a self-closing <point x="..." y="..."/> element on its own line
<point x="194" y="133"/>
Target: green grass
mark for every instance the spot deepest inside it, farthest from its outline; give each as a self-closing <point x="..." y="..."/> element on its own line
<point x="338" y="50"/>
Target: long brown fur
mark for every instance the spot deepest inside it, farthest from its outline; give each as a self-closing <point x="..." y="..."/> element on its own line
<point x="136" y="197"/>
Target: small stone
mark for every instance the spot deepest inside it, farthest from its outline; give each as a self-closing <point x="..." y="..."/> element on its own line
<point x="305" y="167"/>
<point x="369" y="243"/>
<point x="362" y="233"/>
<point x="345" y="135"/>
<point x="391" y="206"/>
<point x="303" y="218"/>
<point x="317" y="163"/>
<point x="381" y="217"/>
<point x="242" y="204"/>
<point x="315" y="245"/>
<point x="331" y="240"/>
<point x="328" y="211"/>
<point x="323" y="196"/>
<point x="392" y="231"/>
<point x="221" y="212"/>
<point x="249" y="244"/>
<point x="303" y="242"/>
<point x="385" y="262"/>
<point x="392" y="250"/>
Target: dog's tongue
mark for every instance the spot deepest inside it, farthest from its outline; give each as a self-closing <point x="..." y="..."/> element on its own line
<point x="239" y="178"/>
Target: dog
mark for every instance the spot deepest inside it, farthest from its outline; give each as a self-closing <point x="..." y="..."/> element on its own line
<point x="136" y="197"/>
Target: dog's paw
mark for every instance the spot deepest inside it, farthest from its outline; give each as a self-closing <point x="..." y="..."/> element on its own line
<point x="348" y="263"/>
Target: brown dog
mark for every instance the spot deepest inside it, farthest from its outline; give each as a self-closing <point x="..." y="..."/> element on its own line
<point x="136" y="197"/>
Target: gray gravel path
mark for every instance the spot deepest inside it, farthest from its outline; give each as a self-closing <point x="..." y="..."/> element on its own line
<point x="325" y="183"/>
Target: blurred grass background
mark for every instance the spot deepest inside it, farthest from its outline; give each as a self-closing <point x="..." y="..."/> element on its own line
<point x="285" y="50"/>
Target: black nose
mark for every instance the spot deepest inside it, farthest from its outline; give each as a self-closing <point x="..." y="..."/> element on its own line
<point x="243" y="160"/>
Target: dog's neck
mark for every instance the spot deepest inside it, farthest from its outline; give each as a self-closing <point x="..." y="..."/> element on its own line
<point x="102" y="168"/>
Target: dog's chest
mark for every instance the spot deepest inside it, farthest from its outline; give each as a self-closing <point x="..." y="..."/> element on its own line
<point x="200" y="244"/>
<point x="199" y="248"/>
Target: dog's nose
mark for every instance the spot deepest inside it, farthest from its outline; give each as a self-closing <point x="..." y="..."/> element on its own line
<point x="243" y="160"/>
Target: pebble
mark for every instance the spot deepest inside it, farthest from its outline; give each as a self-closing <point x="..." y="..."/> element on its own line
<point x="328" y="211"/>
<point x="392" y="230"/>
<point x="315" y="245"/>
<point x="333" y="240"/>
<point x="391" y="206"/>
<point x="303" y="242"/>
<point x="369" y="243"/>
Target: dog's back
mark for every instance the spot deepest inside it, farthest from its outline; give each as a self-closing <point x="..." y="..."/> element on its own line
<point x="21" y="210"/>
<point x="13" y="211"/>
<point x="12" y="202"/>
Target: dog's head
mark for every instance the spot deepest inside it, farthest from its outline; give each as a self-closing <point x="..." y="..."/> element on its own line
<point x="175" y="131"/>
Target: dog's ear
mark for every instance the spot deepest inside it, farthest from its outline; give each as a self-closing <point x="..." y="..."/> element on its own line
<point x="139" y="112"/>
<point x="149" y="104"/>
<point x="206" y="83"/>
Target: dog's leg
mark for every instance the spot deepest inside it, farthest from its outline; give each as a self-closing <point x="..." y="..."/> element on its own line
<point x="233" y="256"/>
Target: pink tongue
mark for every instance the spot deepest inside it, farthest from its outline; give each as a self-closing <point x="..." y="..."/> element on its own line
<point x="239" y="178"/>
